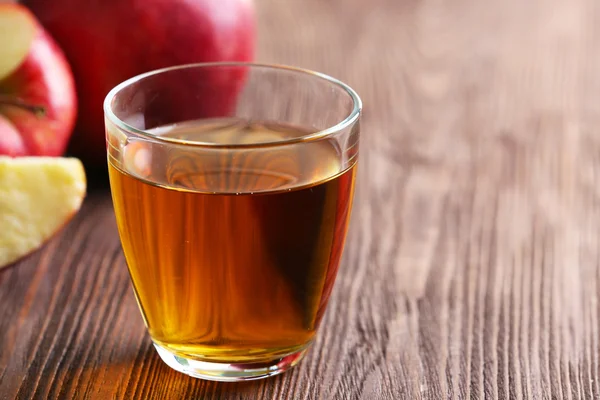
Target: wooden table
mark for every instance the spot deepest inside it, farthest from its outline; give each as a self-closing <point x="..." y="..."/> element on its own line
<point x="472" y="267"/>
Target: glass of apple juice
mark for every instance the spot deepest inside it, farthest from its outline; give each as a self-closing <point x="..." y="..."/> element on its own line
<point x="232" y="186"/>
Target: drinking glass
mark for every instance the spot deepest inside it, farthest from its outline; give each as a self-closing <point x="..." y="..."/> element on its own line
<point x="232" y="185"/>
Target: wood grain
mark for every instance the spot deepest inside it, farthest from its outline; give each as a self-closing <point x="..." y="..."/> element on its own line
<point x="472" y="269"/>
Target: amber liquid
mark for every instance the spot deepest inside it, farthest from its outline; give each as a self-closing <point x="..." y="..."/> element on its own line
<point x="232" y="253"/>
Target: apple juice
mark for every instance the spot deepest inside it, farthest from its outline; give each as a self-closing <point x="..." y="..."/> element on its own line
<point x="232" y="251"/>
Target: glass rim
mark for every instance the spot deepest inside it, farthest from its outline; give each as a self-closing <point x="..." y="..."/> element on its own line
<point x="347" y="121"/>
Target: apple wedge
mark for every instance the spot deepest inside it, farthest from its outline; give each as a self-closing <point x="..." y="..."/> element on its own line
<point x="38" y="196"/>
<point x="38" y="102"/>
<point x="17" y="30"/>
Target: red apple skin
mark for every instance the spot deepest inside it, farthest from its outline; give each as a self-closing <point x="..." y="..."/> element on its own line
<point x="109" y="41"/>
<point x="43" y="79"/>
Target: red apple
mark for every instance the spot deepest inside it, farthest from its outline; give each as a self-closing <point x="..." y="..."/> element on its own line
<point x="37" y="92"/>
<point x="109" y="41"/>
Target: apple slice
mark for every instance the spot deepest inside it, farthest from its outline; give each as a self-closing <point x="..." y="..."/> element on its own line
<point x="38" y="196"/>
<point x="38" y="103"/>
<point x="17" y="30"/>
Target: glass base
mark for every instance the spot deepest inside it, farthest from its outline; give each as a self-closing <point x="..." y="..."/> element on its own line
<point x="225" y="372"/>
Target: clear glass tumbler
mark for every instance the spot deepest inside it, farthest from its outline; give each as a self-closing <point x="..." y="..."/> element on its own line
<point x="232" y="187"/>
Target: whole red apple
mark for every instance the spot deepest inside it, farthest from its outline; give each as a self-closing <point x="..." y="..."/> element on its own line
<point x="37" y="92"/>
<point x="109" y="41"/>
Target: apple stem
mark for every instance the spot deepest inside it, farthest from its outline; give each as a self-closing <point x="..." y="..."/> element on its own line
<point x="5" y="100"/>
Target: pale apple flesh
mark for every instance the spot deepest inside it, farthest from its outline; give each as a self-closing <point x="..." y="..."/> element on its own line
<point x="38" y="196"/>
<point x="17" y="30"/>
